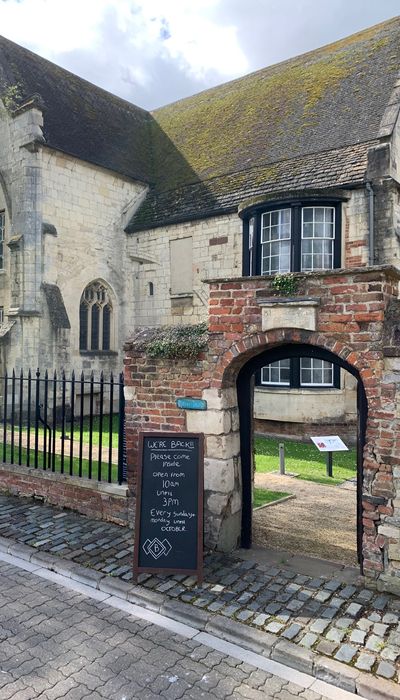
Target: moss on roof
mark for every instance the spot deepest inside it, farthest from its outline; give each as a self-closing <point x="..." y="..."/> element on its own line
<point x="79" y="118"/>
<point x="324" y="99"/>
<point x="303" y="123"/>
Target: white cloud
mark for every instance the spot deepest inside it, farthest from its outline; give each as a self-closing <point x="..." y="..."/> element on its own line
<point x="181" y="30"/>
<point x="52" y="26"/>
<point x="156" y="51"/>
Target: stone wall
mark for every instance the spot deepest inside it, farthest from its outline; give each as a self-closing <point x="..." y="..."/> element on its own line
<point x="85" y="205"/>
<point x="301" y="432"/>
<point x="65" y="223"/>
<point x="347" y="320"/>
<point x="216" y="250"/>
<point x="308" y="406"/>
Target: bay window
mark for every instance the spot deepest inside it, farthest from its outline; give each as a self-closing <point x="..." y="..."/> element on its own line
<point x="293" y="237"/>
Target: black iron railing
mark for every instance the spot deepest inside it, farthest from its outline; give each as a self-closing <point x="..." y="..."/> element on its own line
<point x="72" y="426"/>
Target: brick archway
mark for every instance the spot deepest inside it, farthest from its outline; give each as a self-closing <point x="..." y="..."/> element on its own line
<point x="272" y="353"/>
<point x="354" y="315"/>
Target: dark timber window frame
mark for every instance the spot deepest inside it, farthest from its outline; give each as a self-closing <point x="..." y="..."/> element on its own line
<point x="295" y="378"/>
<point x="252" y="232"/>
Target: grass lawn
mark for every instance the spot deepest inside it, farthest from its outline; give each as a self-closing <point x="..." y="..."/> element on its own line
<point x="263" y="496"/>
<point x="57" y="465"/>
<point x="305" y="460"/>
<point x="85" y="430"/>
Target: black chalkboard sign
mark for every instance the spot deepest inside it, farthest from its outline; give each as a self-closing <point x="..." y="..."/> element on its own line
<point x="169" y="504"/>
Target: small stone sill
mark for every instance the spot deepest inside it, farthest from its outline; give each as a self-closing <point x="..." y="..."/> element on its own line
<point x="270" y="302"/>
<point x="182" y="295"/>
<point x="99" y="353"/>
<point x="290" y="391"/>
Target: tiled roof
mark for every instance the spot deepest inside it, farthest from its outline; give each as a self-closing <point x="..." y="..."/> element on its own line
<point x="79" y="118"/>
<point x="302" y="124"/>
<point x="328" y="169"/>
<point x="295" y="123"/>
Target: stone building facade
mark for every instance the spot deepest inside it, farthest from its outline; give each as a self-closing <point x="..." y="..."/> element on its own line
<point x="114" y="219"/>
<point x="96" y="191"/>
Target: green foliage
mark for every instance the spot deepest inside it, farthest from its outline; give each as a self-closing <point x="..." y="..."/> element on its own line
<point x="285" y="284"/>
<point x="11" y="95"/>
<point x="174" y="342"/>
<point x="305" y="460"/>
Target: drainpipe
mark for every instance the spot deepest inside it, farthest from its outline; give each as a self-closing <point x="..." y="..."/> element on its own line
<point x="371" y="232"/>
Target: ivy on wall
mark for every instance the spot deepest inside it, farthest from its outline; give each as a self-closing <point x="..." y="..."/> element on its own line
<point x="172" y="342"/>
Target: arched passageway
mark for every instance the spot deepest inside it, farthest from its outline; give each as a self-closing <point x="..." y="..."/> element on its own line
<point x="245" y="404"/>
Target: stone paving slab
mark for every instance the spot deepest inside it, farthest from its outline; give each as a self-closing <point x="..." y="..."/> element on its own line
<point x="57" y="643"/>
<point x="320" y="617"/>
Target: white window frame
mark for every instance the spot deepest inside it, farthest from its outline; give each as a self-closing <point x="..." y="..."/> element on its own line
<point x="268" y="243"/>
<point x="315" y="365"/>
<point x="276" y="365"/>
<point x="328" y="226"/>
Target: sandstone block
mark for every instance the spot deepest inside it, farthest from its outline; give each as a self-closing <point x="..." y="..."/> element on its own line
<point x="389" y="531"/>
<point x="219" y="475"/>
<point x="289" y="315"/>
<point x="209" y="422"/>
<point x="217" y="502"/>
<point x="223" y="446"/>
<point x="220" y="398"/>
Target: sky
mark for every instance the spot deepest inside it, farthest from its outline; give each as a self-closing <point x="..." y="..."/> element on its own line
<point x="153" y="52"/>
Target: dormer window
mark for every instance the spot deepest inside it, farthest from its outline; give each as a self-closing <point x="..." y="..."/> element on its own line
<point x="295" y="237"/>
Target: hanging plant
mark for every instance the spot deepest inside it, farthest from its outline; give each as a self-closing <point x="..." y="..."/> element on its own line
<point x="286" y="285"/>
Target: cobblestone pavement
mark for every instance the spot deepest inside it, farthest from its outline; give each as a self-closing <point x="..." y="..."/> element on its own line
<point x="56" y="643"/>
<point x="344" y="621"/>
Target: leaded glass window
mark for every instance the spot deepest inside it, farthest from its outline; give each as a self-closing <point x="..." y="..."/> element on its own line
<point x="95" y="319"/>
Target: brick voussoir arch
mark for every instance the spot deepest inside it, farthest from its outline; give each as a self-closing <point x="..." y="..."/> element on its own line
<point x="240" y="351"/>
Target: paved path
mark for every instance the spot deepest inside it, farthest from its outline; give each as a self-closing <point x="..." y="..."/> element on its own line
<point x="57" y="643"/>
<point x="325" y="617"/>
<point x="325" y="517"/>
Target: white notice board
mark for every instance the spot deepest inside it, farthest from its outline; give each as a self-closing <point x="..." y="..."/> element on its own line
<point x="329" y="443"/>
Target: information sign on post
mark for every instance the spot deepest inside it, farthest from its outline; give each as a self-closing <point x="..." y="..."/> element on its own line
<point x="169" y="504"/>
<point x="329" y="444"/>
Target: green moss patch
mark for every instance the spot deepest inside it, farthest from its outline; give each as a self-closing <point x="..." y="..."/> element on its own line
<point x="172" y="342"/>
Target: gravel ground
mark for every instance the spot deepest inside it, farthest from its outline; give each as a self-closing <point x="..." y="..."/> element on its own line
<point x="320" y="521"/>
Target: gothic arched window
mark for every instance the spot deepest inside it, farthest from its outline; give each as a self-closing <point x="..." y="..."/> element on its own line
<point x="95" y="318"/>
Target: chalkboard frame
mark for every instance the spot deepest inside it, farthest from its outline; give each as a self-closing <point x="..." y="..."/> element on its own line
<point x="200" y="506"/>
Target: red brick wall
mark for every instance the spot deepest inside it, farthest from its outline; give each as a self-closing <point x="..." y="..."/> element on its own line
<point x="156" y="385"/>
<point x="350" y="321"/>
<point x="66" y="493"/>
<point x="302" y="431"/>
